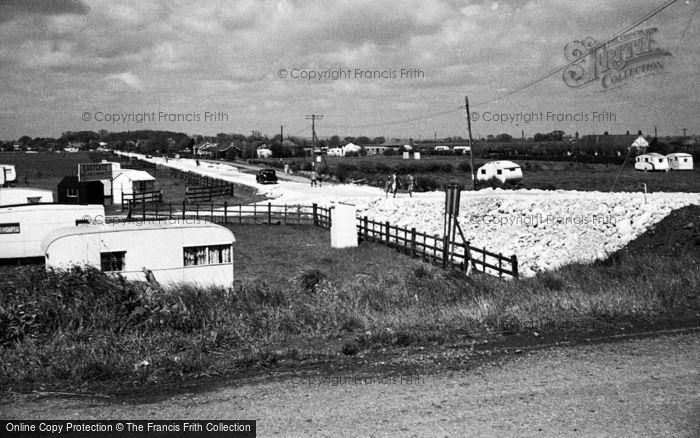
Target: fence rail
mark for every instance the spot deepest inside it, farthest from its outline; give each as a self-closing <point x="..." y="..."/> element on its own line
<point x="226" y="213"/>
<point x="138" y="165"/>
<point x="138" y="198"/>
<point x="434" y="249"/>
<point x="196" y="179"/>
<point x="198" y="194"/>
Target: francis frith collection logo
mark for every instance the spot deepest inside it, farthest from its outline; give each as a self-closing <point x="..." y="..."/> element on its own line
<point x="627" y="57"/>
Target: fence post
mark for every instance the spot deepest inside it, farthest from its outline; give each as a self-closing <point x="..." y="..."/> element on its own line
<point x="467" y="255"/>
<point x="366" y="228"/>
<point x="240" y="213"/>
<point x="445" y="246"/>
<point x="269" y="213"/>
<point x="500" y="262"/>
<point x="183" y="209"/>
<point x="514" y="264"/>
<point x="413" y="242"/>
<point x="315" y="217"/>
<point x="170" y="210"/>
<point x="255" y="213"/>
<point x="483" y="261"/>
<point x="196" y="211"/>
<point x="157" y="204"/>
<point x="211" y="213"/>
<point x="225" y="212"/>
<point x="285" y="214"/>
<point x="143" y="208"/>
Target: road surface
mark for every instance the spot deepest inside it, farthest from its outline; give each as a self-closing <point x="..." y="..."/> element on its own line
<point x="633" y="388"/>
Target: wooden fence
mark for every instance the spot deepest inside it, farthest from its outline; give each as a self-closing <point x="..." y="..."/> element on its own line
<point x="138" y="198"/>
<point x="430" y="248"/>
<point x="196" y="179"/>
<point x="437" y="249"/>
<point x="207" y="193"/>
<point x="225" y="213"/>
<point x="138" y="165"/>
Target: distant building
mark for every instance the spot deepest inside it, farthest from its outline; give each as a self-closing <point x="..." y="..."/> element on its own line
<point x="205" y="149"/>
<point x="374" y="149"/>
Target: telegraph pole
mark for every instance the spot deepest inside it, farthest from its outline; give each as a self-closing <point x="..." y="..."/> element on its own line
<point x="471" y="147"/>
<point x="314" y="139"/>
<point x="313" y="118"/>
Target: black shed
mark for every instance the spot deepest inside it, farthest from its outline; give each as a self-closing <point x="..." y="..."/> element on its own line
<point x="72" y="191"/>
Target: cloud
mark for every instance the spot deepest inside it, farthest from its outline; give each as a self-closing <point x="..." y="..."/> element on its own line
<point x="221" y="52"/>
<point x="11" y="9"/>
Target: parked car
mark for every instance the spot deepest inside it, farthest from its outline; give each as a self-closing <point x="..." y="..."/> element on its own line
<point x="266" y="176"/>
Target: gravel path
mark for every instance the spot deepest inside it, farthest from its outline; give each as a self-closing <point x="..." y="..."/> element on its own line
<point x="633" y="388"/>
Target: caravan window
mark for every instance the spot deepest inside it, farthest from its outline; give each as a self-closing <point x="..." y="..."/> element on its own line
<point x="207" y="255"/>
<point x="499" y="172"/>
<point x="483" y="171"/>
<point x="9" y="228"/>
<point x="112" y="261"/>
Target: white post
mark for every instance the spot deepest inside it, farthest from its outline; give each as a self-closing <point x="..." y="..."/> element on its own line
<point x="343" y="226"/>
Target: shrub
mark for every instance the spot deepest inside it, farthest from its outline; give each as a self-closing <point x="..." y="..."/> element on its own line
<point x="464" y="166"/>
<point x="426" y="184"/>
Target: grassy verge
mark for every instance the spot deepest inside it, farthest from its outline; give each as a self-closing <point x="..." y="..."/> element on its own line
<point x="63" y="329"/>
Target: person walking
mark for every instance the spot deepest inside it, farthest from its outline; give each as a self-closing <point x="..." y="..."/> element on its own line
<point x="410" y="184"/>
<point x="314" y="176"/>
<point x="394" y="183"/>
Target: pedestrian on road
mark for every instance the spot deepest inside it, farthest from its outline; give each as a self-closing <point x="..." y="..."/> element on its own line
<point x="394" y="183"/>
<point x="410" y="184"/>
<point x="197" y="162"/>
<point x="314" y="176"/>
<point x="387" y="186"/>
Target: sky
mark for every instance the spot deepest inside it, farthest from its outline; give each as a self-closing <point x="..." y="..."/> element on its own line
<point x="376" y="68"/>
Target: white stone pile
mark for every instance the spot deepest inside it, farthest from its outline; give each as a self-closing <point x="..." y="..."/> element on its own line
<point x="544" y="229"/>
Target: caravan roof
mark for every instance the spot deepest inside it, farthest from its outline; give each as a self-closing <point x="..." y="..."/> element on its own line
<point x="128" y="226"/>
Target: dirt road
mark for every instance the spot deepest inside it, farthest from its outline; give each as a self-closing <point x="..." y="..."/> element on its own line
<point x="633" y="388"/>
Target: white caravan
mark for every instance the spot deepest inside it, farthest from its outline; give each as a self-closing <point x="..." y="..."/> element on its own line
<point x="17" y="195"/>
<point x="680" y="161"/>
<point x="503" y="171"/>
<point x="22" y="227"/>
<point x="169" y="251"/>
<point x="651" y="161"/>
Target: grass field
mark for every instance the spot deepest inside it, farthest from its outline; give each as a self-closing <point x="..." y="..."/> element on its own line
<point x="45" y="171"/>
<point x="433" y="172"/>
<point x="295" y="296"/>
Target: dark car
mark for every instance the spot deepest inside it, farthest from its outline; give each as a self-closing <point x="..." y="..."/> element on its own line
<point x="266" y="176"/>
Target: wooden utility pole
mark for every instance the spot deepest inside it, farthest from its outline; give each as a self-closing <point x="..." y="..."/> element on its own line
<point x="314" y="138"/>
<point x="471" y="146"/>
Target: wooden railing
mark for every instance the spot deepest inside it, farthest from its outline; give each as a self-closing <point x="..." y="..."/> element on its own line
<point x="434" y="249"/>
<point x="437" y="249"/>
<point x="198" y="194"/>
<point x="225" y="213"/>
<point x="138" y="198"/>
